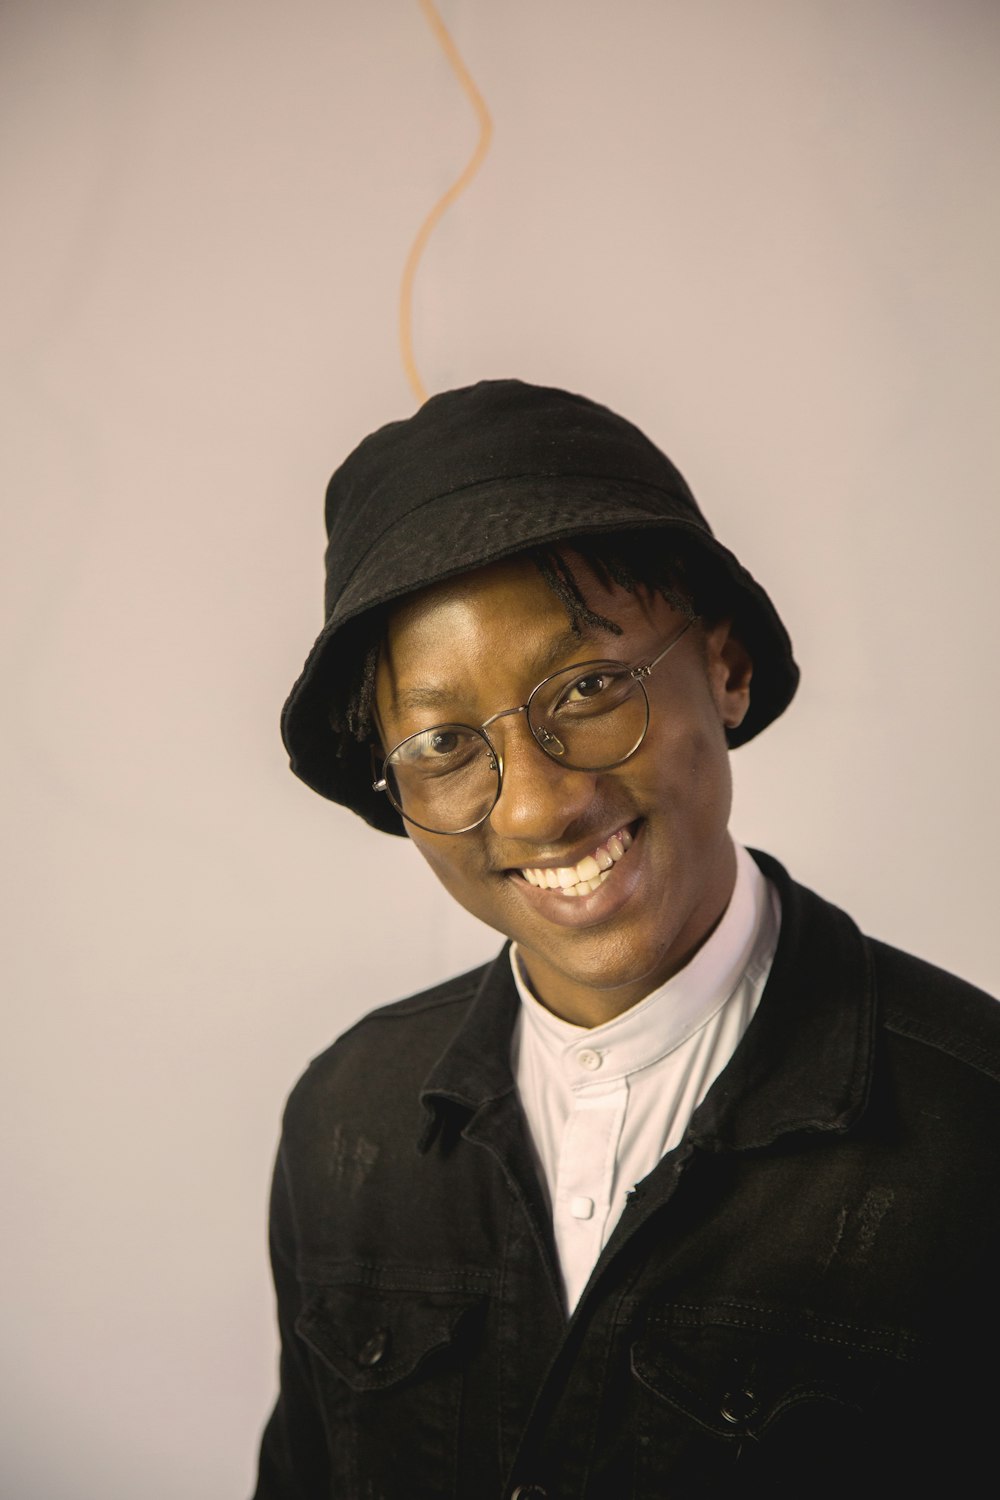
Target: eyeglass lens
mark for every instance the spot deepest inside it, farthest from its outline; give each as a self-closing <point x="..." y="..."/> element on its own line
<point x="446" y="779"/>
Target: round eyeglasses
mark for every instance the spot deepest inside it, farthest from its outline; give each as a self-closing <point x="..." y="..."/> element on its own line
<point x="591" y="716"/>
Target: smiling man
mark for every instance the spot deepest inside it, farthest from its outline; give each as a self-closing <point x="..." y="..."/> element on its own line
<point x="689" y="1193"/>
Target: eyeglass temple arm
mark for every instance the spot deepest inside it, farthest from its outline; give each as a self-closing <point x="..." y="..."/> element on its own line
<point x="645" y="670"/>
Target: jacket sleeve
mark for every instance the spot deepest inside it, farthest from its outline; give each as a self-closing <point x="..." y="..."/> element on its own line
<point x="293" y="1454"/>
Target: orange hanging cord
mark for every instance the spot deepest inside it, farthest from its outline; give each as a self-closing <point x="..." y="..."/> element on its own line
<point x="445" y="201"/>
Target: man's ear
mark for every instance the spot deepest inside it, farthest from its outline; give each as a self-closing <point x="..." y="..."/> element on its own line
<point x="730" y="668"/>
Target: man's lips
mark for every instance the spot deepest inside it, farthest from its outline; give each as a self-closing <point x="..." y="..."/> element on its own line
<point x="587" y="873"/>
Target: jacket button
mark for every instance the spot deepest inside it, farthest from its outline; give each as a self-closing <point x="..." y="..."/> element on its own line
<point x="529" y="1492"/>
<point x="738" y="1407"/>
<point x="374" y="1350"/>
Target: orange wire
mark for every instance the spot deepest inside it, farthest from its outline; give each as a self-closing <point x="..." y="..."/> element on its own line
<point x="445" y="201"/>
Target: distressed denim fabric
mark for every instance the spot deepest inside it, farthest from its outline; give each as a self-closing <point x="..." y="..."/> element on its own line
<point x="800" y="1301"/>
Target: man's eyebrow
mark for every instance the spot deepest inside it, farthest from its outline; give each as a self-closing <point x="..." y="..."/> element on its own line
<point x="564" y="649"/>
<point x="567" y="648"/>
<point x="420" y="696"/>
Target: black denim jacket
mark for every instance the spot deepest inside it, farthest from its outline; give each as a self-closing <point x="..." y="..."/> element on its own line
<point x="800" y="1300"/>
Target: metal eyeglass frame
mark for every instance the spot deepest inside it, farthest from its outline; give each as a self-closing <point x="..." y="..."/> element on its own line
<point x="639" y="673"/>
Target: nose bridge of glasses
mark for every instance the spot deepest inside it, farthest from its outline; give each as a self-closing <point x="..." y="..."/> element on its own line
<point x="549" y="742"/>
<point x="504" y="713"/>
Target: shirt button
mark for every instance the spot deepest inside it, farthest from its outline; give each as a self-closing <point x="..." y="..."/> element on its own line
<point x="581" y="1208"/>
<point x="589" y="1059"/>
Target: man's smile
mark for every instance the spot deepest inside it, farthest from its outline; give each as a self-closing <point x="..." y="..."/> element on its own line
<point x="586" y="874"/>
<point x="590" y="892"/>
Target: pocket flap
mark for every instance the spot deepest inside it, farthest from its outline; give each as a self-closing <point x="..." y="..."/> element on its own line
<point x="373" y="1338"/>
<point x="736" y="1370"/>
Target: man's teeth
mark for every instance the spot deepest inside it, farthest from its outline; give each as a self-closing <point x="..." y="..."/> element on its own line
<point x="592" y="871"/>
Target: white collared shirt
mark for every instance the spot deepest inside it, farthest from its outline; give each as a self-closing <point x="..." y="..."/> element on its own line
<point x="605" y="1103"/>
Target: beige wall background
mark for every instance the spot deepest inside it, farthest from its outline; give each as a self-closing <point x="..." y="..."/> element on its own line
<point x="766" y="229"/>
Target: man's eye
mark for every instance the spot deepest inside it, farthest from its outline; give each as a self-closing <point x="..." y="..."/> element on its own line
<point x="586" y="688"/>
<point x="591" y="693"/>
<point x="446" y="748"/>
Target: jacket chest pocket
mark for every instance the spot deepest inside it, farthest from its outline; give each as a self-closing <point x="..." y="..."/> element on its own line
<point x="389" y="1372"/>
<point x="733" y="1394"/>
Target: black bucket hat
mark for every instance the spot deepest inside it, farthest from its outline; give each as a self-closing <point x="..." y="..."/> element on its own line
<point x="476" y="475"/>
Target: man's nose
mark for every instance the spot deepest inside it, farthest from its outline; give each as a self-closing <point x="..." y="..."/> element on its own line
<point x="540" y="798"/>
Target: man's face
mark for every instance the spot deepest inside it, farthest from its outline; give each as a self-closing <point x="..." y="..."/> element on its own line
<point x="479" y="644"/>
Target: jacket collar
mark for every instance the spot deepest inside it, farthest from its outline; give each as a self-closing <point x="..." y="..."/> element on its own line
<point x="805" y="1061"/>
<point x="804" y="1064"/>
<point x="475" y="1070"/>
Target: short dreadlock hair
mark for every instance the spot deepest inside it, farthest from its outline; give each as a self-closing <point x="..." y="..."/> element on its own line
<point x="682" y="573"/>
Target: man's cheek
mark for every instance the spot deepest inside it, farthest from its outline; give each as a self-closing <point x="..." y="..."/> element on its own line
<point x="456" y="879"/>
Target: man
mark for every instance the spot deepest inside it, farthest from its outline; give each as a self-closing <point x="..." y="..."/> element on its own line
<point x="690" y="1192"/>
